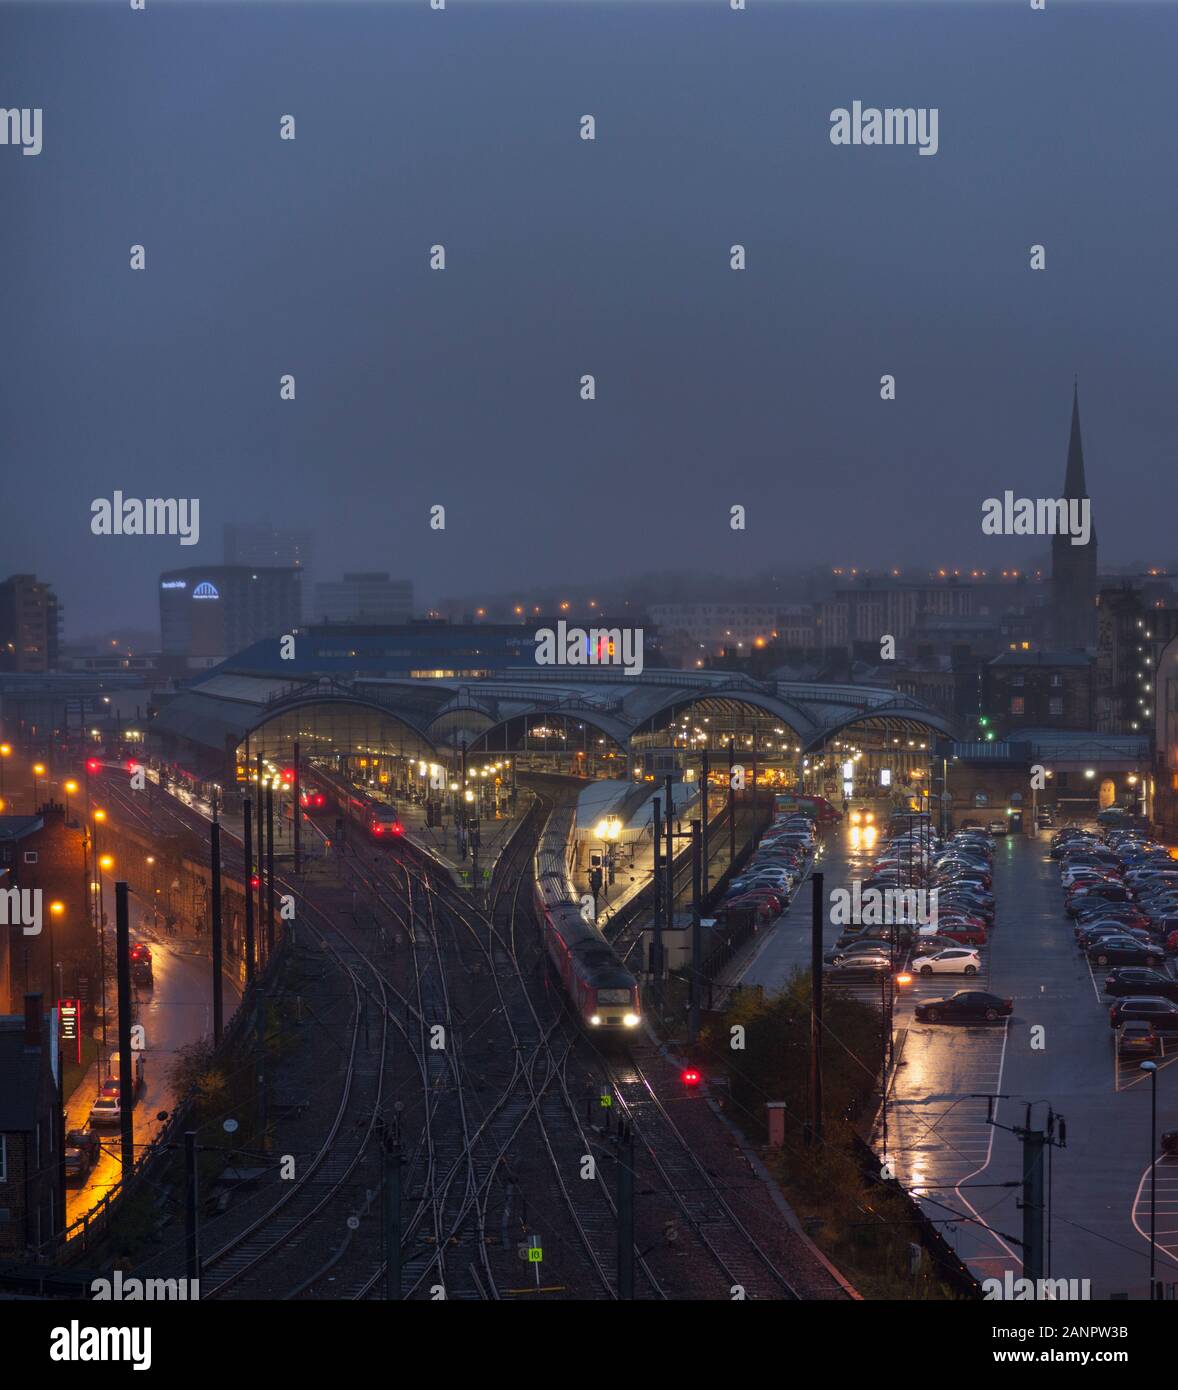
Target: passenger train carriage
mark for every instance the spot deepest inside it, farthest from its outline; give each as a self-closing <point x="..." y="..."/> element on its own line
<point x="600" y="988"/>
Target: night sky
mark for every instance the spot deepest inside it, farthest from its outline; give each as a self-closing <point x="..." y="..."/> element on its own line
<point x="566" y="257"/>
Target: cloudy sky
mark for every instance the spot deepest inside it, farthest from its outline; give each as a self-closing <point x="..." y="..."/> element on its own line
<point x="565" y="257"/>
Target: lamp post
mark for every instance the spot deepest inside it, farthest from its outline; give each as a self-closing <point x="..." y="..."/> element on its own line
<point x="5" y="754"/>
<point x="102" y="861"/>
<point x="608" y="831"/>
<point x="38" y="772"/>
<point x="1152" y="1069"/>
<point x="70" y="787"/>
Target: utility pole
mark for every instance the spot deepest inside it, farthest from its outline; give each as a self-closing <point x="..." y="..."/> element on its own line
<point x="696" y="880"/>
<point x="261" y="856"/>
<point x="247" y="851"/>
<point x="297" y="813"/>
<point x="817" y="905"/>
<point x="218" y="999"/>
<point x="126" y="1070"/>
<point x="656" y="947"/>
<point x="269" y="871"/>
<point x="670" y="855"/>
<point x="191" y="1209"/>
<point x="705" y="786"/>
<point x="625" y="1202"/>
<point x="1035" y="1144"/>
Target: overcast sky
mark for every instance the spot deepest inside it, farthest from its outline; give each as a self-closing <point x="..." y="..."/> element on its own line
<point x="566" y="257"/>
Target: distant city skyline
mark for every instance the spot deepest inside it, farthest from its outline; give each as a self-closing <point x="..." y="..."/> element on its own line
<point x="461" y="387"/>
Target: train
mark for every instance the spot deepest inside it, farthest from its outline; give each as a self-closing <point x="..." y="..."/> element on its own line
<point x="377" y="819"/>
<point x="598" y="985"/>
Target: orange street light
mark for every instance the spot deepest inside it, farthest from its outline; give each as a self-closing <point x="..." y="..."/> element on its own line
<point x="106" y="861"/>
<point x="57" y="908"/>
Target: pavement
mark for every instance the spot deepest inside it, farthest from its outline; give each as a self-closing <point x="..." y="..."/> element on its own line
<point x="1057" y="1050"/>
<point x="175" y="1011"/>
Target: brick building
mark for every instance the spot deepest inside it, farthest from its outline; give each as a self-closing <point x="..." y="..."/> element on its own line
<point x="32" y="1190"/>
<point x="41" y="854"/>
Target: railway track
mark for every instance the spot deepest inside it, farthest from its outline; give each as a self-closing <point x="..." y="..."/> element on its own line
<point x="462" y="1159"/>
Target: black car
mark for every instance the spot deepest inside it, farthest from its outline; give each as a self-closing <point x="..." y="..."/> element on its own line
<point x="1136" y="980"/>
<point x="966" y="1003"/>
<point x="861" y="946"/>
<point x="1162" y="1013"/>
<point x="861" y="964"/>
<point x="1123" y="950"/>
<point x="82" y="1147"/>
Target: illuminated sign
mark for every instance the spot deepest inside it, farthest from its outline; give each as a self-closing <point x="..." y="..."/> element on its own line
<point x="174" y="584"/>
<point x="205" y="590"/>
<point x="67" y="1012"/>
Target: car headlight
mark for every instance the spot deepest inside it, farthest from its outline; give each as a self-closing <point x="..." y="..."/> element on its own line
<point x="595" y="1020"/>
<point x="631" y="1020"/>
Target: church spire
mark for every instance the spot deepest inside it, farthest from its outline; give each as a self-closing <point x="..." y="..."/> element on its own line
<point x="1074" y="484"/>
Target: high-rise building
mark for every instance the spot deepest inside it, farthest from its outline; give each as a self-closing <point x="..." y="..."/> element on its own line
<point x="30" y="624"/>
<point x="1073" y="567"/>
<point x="258" y="543"/>
<point x="209" y="612"/>
<point x="364" y="598"/>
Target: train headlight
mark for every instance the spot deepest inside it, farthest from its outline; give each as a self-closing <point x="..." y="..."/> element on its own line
<point x="595" y="1020"/>
<point x="631" y="1020"/>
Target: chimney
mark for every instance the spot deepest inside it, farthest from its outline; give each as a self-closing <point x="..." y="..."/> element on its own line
<point x="33" y="1021"/>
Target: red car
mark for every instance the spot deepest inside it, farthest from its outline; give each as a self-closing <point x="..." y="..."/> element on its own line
<point x="963" y="933"/>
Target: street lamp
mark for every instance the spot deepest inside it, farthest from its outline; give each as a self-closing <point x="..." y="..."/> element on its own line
<point x="5" y="754"/>
<point x="38" y="771"/>
<point x="70" y="788"/>
<point x="1152" y="1069"/>
<point x="608" y="831"/>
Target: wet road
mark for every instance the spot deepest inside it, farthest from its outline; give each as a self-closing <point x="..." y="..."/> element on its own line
<point x="176" y="1010"/>
<point x="1057" y="1049"/>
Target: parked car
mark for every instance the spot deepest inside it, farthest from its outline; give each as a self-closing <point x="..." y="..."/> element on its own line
<point x="877" y="963"/>
<point x="106" y="1110"/>
<point x="932" y="944"/>
<point x="1137" y="980"/>
<point x="1138" y="1039"/>
<point x="1162" y="1013"/>
<point x="955" y="961"/>
<point x="965" y="1004"/>
<point x="1125" y="951"/>
<point x="999" y="826"/>
<point x="82" y="1148"/>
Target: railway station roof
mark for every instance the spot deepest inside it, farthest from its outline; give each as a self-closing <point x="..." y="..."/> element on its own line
<point x="244" y="693"/>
